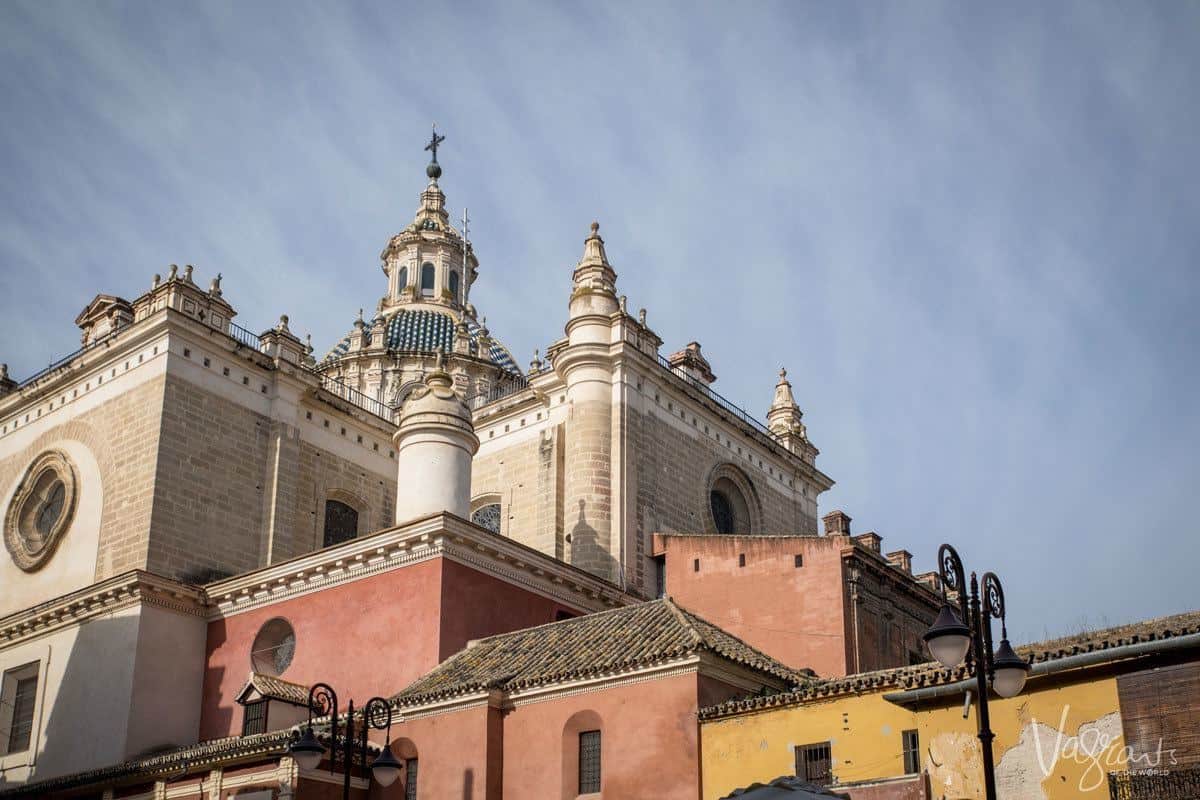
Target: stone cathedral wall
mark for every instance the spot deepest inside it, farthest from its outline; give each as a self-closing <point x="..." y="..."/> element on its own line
<point x="110" y="432"/>
<point x="672" y="470"/>
<point x="526" y="479"/>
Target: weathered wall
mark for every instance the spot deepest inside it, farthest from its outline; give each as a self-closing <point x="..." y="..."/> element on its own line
<point x="538" y="757"/>
<point x="208" y="512"/>
<point x="523" y="471"/>
<point x="792" y="613"/>
<point x="324" y="475"/>
<point x="1055" y="741"/>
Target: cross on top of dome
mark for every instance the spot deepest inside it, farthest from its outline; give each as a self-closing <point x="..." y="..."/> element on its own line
<point x="434" y="170"/>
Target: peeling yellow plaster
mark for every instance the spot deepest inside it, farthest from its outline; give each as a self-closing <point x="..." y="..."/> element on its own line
<point x="1053" y="742"/>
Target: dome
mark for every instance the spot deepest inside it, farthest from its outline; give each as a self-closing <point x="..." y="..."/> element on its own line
<point x="425" y="330"/>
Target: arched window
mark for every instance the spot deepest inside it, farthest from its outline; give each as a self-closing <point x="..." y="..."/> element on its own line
<point x="427" y="276"/>
<point x="341" y="522"/>
<point x="729" y="502"/>
<point x="487" y="517"/>
<point x="454" y="284"/>
<point x="402" y="280"/>
<point x="722" y="511"/>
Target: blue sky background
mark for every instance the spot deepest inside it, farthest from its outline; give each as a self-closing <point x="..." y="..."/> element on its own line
<point x="970" y="231"/>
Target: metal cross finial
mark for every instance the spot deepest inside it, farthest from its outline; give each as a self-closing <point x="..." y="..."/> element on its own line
<point x="434" y="142"/>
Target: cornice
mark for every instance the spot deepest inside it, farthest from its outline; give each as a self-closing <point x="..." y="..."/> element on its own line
<point x="114" y="594"/>
<point x="436" y="536"/>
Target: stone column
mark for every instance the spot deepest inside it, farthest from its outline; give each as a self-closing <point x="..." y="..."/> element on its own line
<point x="435" y="443"/>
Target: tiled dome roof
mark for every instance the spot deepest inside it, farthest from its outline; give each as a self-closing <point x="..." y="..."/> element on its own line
<point x="425" y="330"/>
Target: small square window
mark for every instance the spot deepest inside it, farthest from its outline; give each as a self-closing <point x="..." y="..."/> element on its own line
<point x="308" y="415"/>
<point x="326" y="423"/>
<point x="589" y="762"/>
<point x="741" y="559"/>
<point x="799" y="560"/>
<point x="225" y="371"/>
<point x="375" y="446"/>
<point x="360" y="438"/>
<point x="187" y="353"/>
<point x="245" y="380"/>
<point x="254" y="718"/>
<point x="695" y="565"/>
<point x="207" y="363"/>
<point x="343" y="430"/>
<point x="814" y="763"/>
<point x="263" y="388"/>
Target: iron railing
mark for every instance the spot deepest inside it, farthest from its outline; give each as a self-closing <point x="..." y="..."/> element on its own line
<point x="723" y="402"/>
<point x="243" y="336"/>
<point x="66" y="360"/>
<point x="1153" y="784"/>
<point x="355" y="397"/>
<point x="512" y="385"/>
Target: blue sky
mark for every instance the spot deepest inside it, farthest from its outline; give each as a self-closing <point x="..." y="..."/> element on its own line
<point x="969" y="230"/>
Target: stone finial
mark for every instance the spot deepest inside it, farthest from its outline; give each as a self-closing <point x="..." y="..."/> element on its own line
<point x="439" y="363"/>
<point x="3" y="372"/>
<point x="359" y="323"/>
<point x="174" y="272"/>
<point x="593" y="249"/>
<point x="784" y="418"/>
<point x="642" y="317"/>
<point x="215" y="287"/>
<point x="282" y="327"/>
<point x="308" y="348"/>
<point x="157" y="280"/>
<point x="536" y="364"/>
<point x="187" y="272"/>
<point x="624" y="301"/>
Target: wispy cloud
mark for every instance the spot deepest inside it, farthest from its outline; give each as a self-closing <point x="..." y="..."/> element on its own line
<point x="969" y="232"/>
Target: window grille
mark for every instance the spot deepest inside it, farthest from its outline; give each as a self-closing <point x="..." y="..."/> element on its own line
<point x="912" y="752"/>
<point x="410" y="779"/>
<point x="254" y="717"/>
<point x="814" y="764"/>
<point x="487" y="517"/>
<point x="589" y="762"/>
<point x="341" y="522"/>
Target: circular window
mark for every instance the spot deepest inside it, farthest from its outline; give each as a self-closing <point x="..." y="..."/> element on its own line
<point x="487" y="517"/>
<point x="273" y="647"/>
<point x="41" y="510"/>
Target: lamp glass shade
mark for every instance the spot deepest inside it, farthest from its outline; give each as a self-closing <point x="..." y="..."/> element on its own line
<point x="1009" y="671"/>
<point x="386" y="768"/>
<point x="307" y="750"/>
<point x="949" y="639"/>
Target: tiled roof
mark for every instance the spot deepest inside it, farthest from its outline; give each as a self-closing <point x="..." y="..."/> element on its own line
<point x="933" y="674"/>
<point x="276" y="688"/>
<point x="624" y="638"/>
<point x="426" y="330"/>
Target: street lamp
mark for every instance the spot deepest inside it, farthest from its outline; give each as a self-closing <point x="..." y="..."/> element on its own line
<point x="308" y="750"/>
<point x="951" y="640"/>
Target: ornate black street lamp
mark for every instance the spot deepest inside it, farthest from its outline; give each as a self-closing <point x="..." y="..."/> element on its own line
<point x="951" y="640"/>
<point x="308" y="751"/>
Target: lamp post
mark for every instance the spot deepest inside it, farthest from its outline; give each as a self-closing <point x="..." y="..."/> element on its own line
<point x="951" y="640"/>
<point x="308" y="751"/>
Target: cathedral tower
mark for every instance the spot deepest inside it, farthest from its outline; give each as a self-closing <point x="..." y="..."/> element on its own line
<point x="586" y="366"/>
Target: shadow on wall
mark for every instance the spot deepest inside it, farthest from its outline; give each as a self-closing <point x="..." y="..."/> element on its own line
<point x="87" y="704"/>
<point x="587" y="552"/>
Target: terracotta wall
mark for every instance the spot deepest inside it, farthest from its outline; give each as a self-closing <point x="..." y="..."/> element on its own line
<point x="792" y="613"/>
<point x="369" y="637"/>
<point x="474" y="605"/>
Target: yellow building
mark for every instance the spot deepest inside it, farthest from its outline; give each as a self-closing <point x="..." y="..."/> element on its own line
<point x="1121" y="699"/>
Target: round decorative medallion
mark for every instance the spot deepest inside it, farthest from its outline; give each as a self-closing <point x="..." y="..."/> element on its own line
<point x="41" y="510"/>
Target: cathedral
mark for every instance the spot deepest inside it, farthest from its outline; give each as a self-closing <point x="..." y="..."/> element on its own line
<point x="545" y="572"/>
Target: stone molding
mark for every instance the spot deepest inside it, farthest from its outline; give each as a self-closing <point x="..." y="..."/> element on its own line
<point x="114" y="594"/>
<point x="16" y="519"/>
<point x="438" y="535"/>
